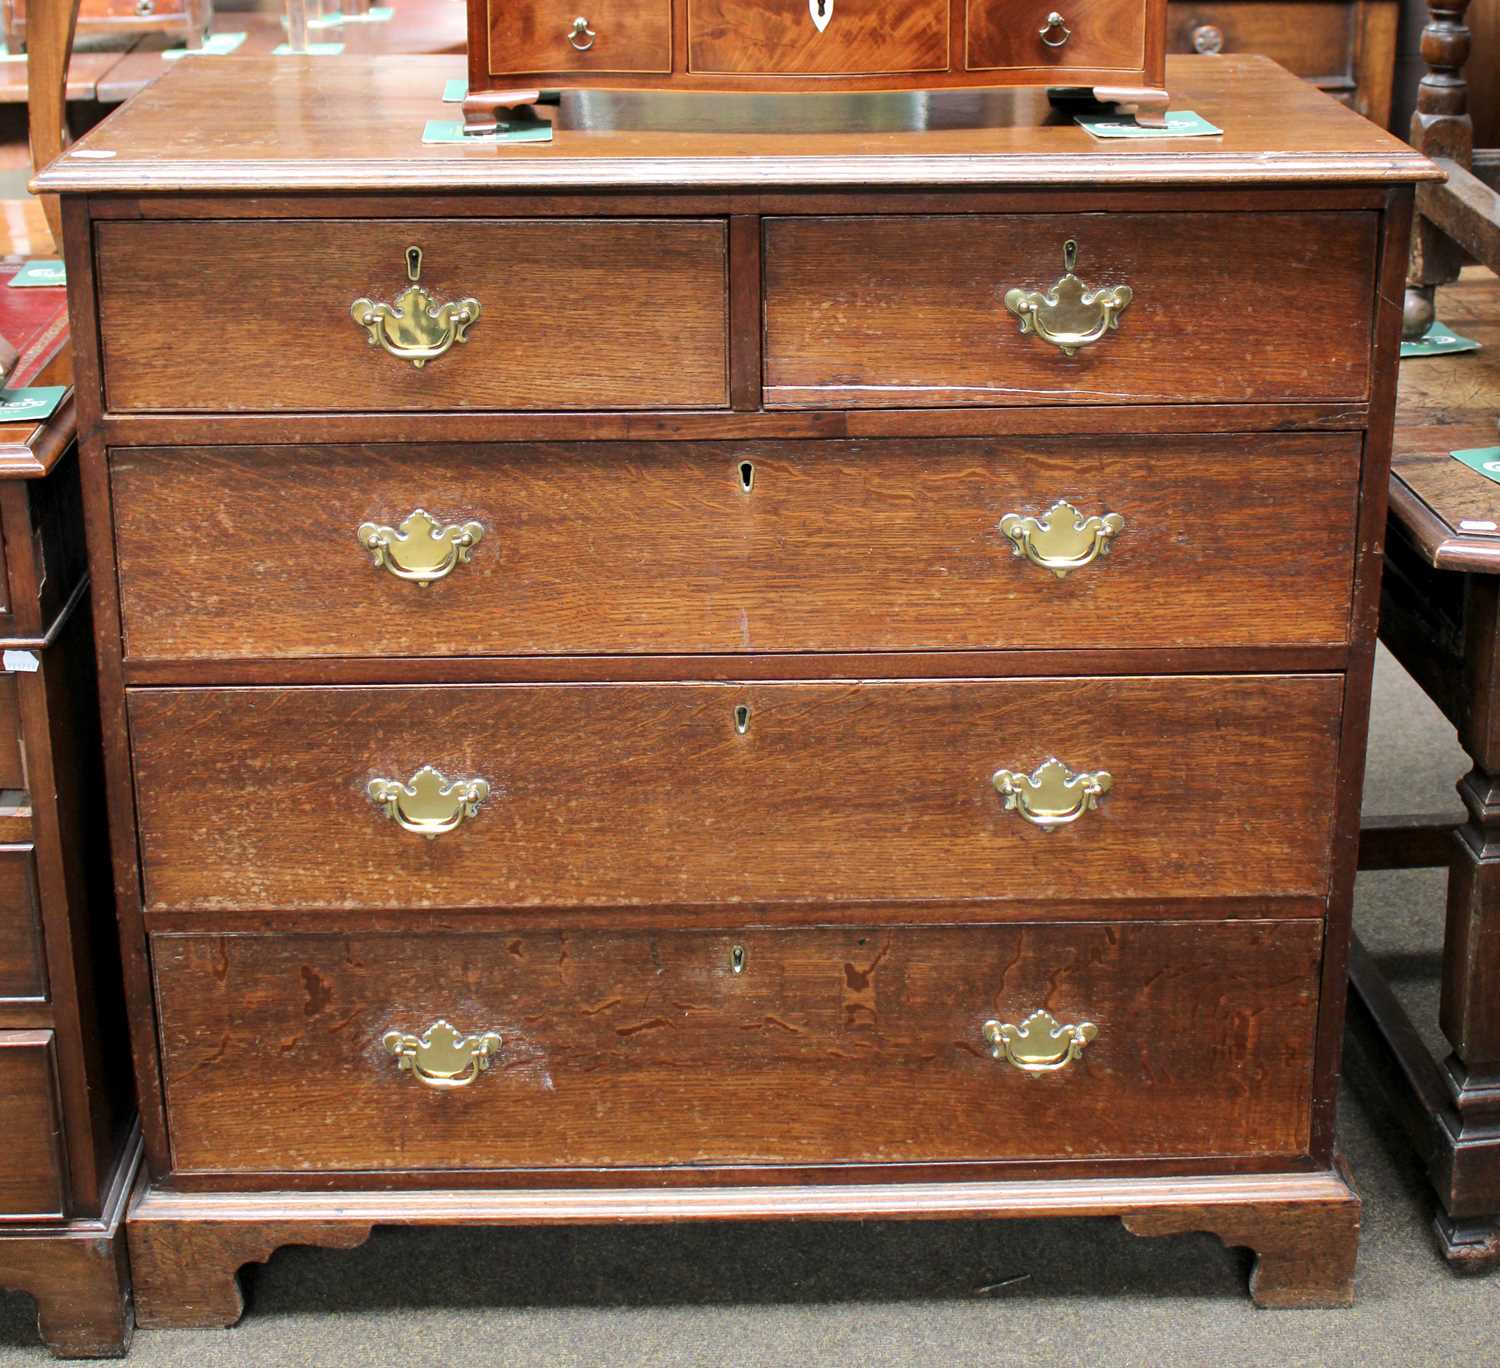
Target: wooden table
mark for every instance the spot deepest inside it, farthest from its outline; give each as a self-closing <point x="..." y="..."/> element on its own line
<point x="1440" y="617"/>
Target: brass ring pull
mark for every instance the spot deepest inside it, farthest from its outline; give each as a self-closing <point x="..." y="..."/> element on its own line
<point x="1069" y="315"/>
<point x="1051" y="796"/>
<point x="442" y="1057"/>
<point x="429" y="804"/>
<point x="416" y="327"/>
<point x="420" y="548"/>
<point x="1039" y="1044"/>
<point x="1208" y="40"/>
<point x="1062" y="539"/>
<point x="579" y="30"/>
<point x="1054" y="21"/>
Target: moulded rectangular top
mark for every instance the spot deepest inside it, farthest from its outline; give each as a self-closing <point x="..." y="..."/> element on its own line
<point x="259" y="124"/>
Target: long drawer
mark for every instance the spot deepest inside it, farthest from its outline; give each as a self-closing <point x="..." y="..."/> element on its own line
<point x="267" y="315"/>
<point x="409" y="797"/>
<point x="555" y="549"/>
<point x="898" y="312"/>
<point x="31" y="1159"/>
<point x="818" y="1046"/>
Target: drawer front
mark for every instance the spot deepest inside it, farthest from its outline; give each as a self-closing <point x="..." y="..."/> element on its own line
<point x="1094" y="34"/>
<point x="910" y="311"/>
<point x="12" y="767"/>
<point x="23" y="965"/>
<point x="575" y="314"/>
<point x="1310" y="39"/>
<point x="892" y="545"/>
<point x="705" y="794"/>
<point x="828" y="1046"/>
<point x="616" y="36"/>
<point x="31" y="1160"/>
<point x="773" y="37"/>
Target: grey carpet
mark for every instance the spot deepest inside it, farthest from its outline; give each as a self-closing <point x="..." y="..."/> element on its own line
<point x="952" y="1294"/>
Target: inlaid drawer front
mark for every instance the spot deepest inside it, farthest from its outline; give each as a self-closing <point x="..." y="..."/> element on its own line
<point x="338" y="315"/>
<point x="408" y="797"/>
<point x="23" y="965"/>
<point x="31" y="1161"/>
<point x="1094" y="34"/>
<point x="557" y="1050"/>
<point x="557" y="549"/>
<point x="581" y="35"/>
<point x="1076" y="309"/>
<point x="817" y="37"/>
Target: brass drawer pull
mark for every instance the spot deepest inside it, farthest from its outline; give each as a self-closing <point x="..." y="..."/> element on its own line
<point x="420" y="548"/>
<point x="416" y="327"/>
<point x="428" y="804"/>
<point x="442" y="1057"/>
<point x="579" y="30"/>
<point x="1054" y="22"/>
<point x="1039" y="1044"/>
<point x="1062" y="539"/>
<point x="1069" y="315"/>
<point x="1051" y="796"/>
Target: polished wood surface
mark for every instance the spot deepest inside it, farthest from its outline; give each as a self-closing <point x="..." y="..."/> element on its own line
<point x="835" y="793"/>
<point x="889" y="312"/>
<point x="23" y="965"/>
<point x="31" y="1161"/>
<point x="1192" y="563"/>
<point x="870" y="36"/>
<point x="601" y="293"/>
<point x="1278" y="131"/>
<point x="649" y="1049"/>
<point x="1101" y="34"/>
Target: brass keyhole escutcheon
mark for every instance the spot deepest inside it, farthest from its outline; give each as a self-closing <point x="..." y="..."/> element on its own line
<point x="737" y="959"/>
<point x="747" y="475"/>
<point x="742" y="718"/>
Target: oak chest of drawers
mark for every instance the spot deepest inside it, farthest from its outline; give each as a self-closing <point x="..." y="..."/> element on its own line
<point x="730" y="672"/>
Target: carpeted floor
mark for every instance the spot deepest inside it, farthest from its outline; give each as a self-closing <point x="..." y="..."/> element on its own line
<point x="951" y="1294"/>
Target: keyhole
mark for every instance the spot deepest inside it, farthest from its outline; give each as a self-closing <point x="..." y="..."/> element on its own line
<point x="742" y="718"/>
<point x="822" y="9"/>
<point x="737" y="959"/>
<point x="413" y="264"/>
<point x="747" y="475"/>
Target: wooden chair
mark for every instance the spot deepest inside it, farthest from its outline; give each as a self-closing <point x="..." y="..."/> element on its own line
<point x="48" y="48"/>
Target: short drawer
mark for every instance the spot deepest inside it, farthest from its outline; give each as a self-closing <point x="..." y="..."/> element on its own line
<point x="23" y="965"/>
<point x="712" y="794"/>
<point x="620" y="36"/>
<point x="31" y="1158"/>
<point x="268" y="315"/>
<point x="891" y="545"/>
<point x="12" y="766"/>
<point x="818" y="1046"/>
<point x="1097" y="35"/>
<point x="900" y="312"/>
<point x="861" y="38"/>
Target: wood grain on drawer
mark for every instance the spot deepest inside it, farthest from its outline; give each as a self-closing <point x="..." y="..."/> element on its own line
<point x="31" y="1161"/>
<point x="620" y="36"/>
<point x="23" y="965"/>
<point x="904" y="311"/>
<point x="1100" y="34"/>
<point x="12" y="767"/>
<point x="835" y="546"/>
<point x="256" y="798"/>
<point x="574" y="314"/>
<point x="852" y="1044"/>
<point x="772" y="37"/>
